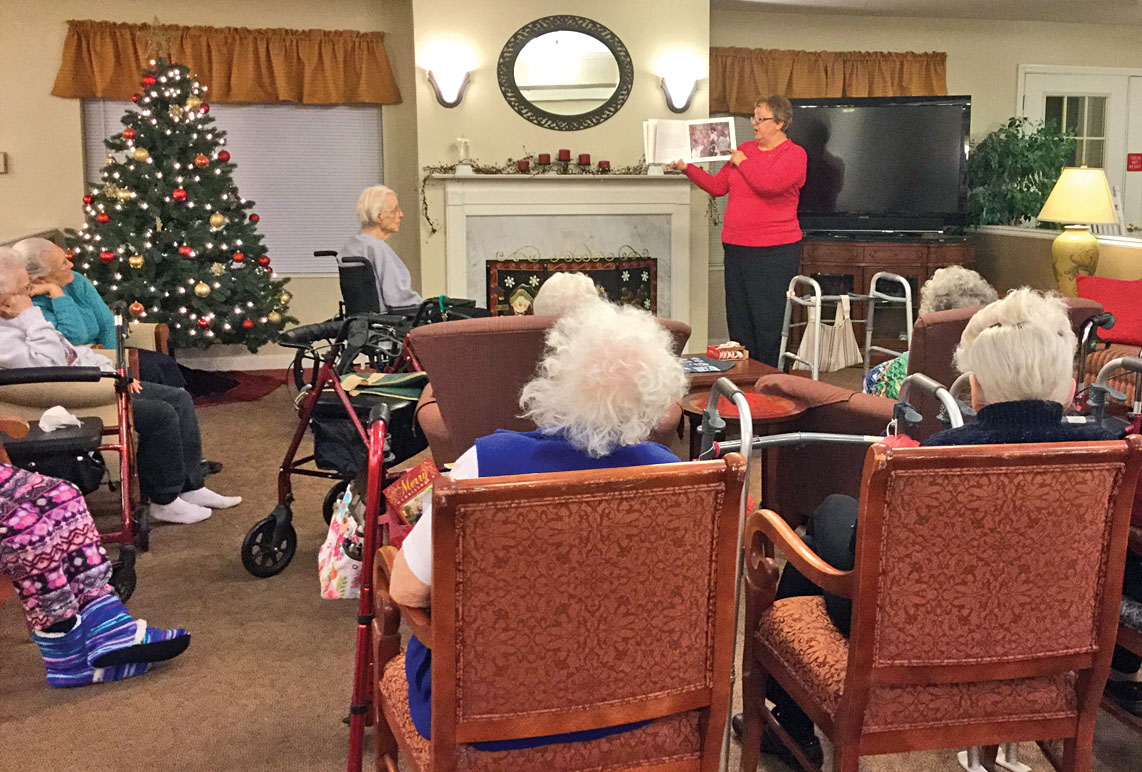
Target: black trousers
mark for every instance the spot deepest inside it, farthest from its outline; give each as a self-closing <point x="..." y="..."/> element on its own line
<point x="756" y="281"/>
<point x="170" y="449"/>
<point x="155" y="367"/>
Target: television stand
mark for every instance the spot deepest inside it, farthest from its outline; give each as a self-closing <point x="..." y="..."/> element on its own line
<point x="843" y="265"/>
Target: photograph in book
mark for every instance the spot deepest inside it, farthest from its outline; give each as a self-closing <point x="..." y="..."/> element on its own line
<point x="711" y="140"/>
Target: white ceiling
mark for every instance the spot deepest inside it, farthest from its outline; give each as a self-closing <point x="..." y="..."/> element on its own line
<point x="1076" y="11"/>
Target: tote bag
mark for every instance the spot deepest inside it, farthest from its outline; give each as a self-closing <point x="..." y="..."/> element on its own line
<point x="839" y="348"/>
<point x="339" y="559"/>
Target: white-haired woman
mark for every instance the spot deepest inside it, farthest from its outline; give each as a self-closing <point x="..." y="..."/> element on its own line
<point x="949" y="288"/>
<point x="565" y="292"/>
<point x="1019" y="351"/>
<point x="380" y="214"/>
<point x="589" y="417"/>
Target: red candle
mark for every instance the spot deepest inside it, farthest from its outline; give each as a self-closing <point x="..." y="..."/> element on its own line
<point x="564" y="155"/>
<point x="604" y="166"/>
<point x="544" y="159"/>
<point x="523" y="164"/>
<point x="584" y="159"/>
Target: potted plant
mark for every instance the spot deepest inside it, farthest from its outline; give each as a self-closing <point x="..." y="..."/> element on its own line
<point x="1011" y="172"/>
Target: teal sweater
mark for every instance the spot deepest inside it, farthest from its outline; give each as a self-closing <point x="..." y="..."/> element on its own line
<point x="81" y="315"/>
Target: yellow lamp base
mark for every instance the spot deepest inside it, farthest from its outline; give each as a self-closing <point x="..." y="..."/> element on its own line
<point x="1074" y="252"/>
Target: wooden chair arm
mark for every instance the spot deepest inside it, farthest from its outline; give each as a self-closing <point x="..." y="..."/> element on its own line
<point x="418" y="619"/>
<point x="16" y="429"/>
<point x="769" y="524"/>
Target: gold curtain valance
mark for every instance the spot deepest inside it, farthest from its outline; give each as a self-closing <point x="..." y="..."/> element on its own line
<point x="739" y="76"/>
<point x="315" y="67"/>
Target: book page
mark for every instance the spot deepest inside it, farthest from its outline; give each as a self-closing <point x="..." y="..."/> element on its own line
<point x="670" y="142"/>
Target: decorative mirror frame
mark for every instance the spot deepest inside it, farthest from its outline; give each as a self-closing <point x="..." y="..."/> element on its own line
<point x="505" y="72"/>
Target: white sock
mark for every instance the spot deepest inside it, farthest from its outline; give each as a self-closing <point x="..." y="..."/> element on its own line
<point x="204" y="497"/>
<point x="178" y="511"/>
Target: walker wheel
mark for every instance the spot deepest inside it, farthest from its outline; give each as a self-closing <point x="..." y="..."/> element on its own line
<point x="331" y="499"/>
<point x="123" y="577"/>
<point x="261" y="556"/>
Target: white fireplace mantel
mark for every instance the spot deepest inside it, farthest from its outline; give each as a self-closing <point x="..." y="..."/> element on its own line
<point x="565" y="195"/>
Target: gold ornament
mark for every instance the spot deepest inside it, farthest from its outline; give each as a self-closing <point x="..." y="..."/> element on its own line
<point x="109" y="160"/>
<point x="141" y="154"/>
<point x="193" y="103"/>
<point x="273" y="317"/>
<point x="217" y="269"/>
<point x="175" y="112"/>
<point x="135" y="261"/>
<point x="217" y="220"/>
<point x="285" y="297"/>
<point x="202" y="289"/>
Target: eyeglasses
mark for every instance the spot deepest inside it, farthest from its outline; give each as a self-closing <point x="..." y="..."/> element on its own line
<point x="755" y="119"/>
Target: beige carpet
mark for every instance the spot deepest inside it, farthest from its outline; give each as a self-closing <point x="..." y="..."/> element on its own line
<point x="266" y="680"/>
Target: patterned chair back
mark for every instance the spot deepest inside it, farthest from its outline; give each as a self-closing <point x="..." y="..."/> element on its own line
<point x="579" y="600"/>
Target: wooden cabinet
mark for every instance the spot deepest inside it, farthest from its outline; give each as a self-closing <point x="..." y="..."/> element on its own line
<point x="841" y="266"/>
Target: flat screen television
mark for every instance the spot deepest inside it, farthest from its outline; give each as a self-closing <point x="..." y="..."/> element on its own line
<point x="883" y="164"/>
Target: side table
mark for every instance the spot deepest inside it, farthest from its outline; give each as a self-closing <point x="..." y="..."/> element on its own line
<point x="744" y="373"/>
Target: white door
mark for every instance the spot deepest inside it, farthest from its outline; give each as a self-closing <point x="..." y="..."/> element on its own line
<point x="1132" y="188"/>
<point x="1093" y="107"/>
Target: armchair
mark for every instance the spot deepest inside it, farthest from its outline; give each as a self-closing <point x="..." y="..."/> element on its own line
<point x="835" y="409"/>
<point x="476" y="369"/>
<point x="931" y="661"/>
<point x="557" y="607"/>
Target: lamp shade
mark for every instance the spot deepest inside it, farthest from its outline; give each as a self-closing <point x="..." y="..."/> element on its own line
<point x="1081" y="195"/>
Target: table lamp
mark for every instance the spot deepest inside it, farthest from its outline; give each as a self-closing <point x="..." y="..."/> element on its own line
<point x="1081" y="195"/>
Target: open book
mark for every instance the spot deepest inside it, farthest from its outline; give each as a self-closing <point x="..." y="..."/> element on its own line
<point x="709" y="139"/>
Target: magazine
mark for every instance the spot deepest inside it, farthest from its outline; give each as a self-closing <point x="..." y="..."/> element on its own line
<point x="709" y="139"/>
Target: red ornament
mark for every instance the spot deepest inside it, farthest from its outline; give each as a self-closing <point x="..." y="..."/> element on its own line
<point x="88" y="199"/>
<point x="136" y="308"/>
<point x="203" y="322"/>
<point x="254" y="217"/>
<point x="204" y="109"/>
<point x="128" y="133"/>
<point x="186" y="251"/>
<point x="149" y="80"/>
<point x="102" y="218"/>
<point x="106" y="256"/>
<point x="264" y="261"/>
<point x="135" y="98"/>
<point x="201" y="161"/>
<point x="247" y="324"/>
<point x="179" y="194"/>
<point x="239" y="257"/>
<point x="224" y="156"/>
<point x="70" y="255"/>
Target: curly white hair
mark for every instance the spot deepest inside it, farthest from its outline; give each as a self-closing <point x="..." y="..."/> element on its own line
<point x="607" y="377"/>
<point x="11" y="270"/>
<point x="37" y="255"/>
<point x="1021" y="347"/>
<point x="565" y="292"/>
<point x="955" y="287"/>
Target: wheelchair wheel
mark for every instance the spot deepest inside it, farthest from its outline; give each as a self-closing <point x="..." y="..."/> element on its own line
<point x="123" y="577"/>
<point x="261" y="556"/>
<point x="331" y="499"/>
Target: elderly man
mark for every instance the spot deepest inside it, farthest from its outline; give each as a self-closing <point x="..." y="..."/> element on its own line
<point x="169" y="443"/>
<point x="73" y="306"/>
<point x="380" y="214"/>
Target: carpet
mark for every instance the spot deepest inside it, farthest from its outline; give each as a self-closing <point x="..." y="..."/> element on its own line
<point x="211" y="388"/>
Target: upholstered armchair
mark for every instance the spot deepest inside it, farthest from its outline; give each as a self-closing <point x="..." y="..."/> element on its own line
<point x="985" y="603"/>
<point x="835" y="409"/>
<point x="476" y="369"/>
<point x="558" y="607"/>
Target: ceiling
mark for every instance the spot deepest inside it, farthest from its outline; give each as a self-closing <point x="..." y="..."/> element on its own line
<point x="1076" y="11"/>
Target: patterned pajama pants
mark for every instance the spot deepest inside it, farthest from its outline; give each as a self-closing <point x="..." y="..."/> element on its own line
<point x="49" y="547"/>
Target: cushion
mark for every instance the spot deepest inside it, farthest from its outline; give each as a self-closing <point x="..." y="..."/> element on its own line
<point x="799" y="633"/>
<point x="1120" y="297"/>
<point x="671" y="739"/>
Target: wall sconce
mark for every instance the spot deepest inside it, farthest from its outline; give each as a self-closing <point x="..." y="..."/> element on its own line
<point x="679" y="90"/>
<point x="449" y="85"/>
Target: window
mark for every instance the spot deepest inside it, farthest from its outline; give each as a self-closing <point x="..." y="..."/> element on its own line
<point x="1085" y="118"/>
<point x="302" y="165"/>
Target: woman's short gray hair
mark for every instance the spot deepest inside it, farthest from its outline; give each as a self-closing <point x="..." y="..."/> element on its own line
<point x="35" y="252"/>
<point x="607" y="378"/>
<point x="371" y="202"/>
<point x="565" y="292"/>
<point x="11" y="263"/>
<point x="955" y="287"/>
<point x="1021" y="347"/>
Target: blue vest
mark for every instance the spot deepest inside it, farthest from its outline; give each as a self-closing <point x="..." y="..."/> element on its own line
<point x="507" y="453"/>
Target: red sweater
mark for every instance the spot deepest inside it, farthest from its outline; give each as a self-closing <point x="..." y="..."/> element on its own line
<point x="764" y="190"/>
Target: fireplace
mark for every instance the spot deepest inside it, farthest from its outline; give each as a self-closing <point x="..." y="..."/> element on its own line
<point x="627" y="278"/>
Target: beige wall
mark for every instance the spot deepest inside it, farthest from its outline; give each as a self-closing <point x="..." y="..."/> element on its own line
<point x="647" y="28"/>
<point x="983" y="56"/>
<point x="1008" y="258"/>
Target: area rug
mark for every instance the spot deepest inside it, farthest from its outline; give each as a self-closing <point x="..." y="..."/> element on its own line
<point x="211" y="388"/>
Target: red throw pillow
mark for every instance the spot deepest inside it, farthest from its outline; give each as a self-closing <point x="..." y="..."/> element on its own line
<point x="1120" y="297"/>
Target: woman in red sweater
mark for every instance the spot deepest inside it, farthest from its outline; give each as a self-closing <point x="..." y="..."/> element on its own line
<point x="761" y="235"/>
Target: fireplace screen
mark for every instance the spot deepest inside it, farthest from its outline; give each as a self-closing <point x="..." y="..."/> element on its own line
<point x="512" y="284"/>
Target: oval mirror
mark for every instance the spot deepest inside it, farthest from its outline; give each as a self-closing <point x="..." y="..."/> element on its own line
<point x="565" y="72"/>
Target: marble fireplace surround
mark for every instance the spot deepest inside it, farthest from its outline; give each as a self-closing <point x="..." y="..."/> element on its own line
<point x="507" y="216"/>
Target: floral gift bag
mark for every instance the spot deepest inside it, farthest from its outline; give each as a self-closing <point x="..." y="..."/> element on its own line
<point x="339" y="559"/>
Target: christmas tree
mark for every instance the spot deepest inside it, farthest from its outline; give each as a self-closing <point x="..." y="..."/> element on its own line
<point x="167" y="236"/>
